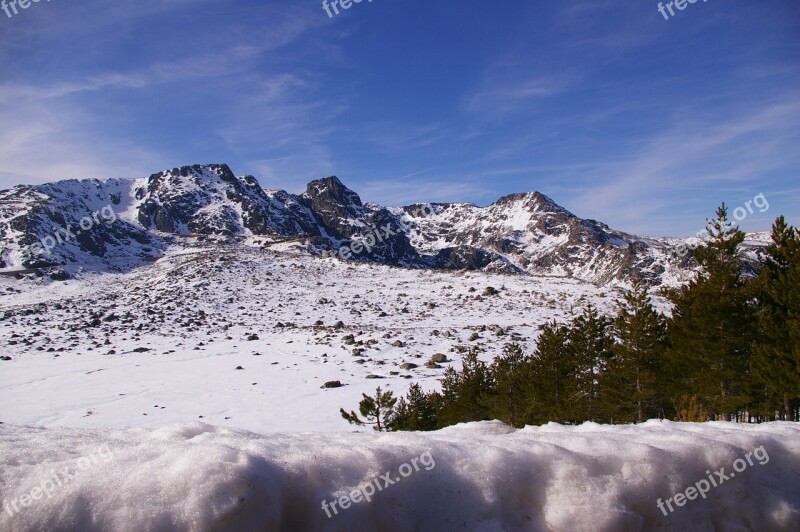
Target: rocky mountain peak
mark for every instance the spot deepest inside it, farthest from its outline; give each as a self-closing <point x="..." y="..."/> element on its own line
<point x="333" y="191"/>
<point x="519" y="233"/>
<point x="334" y="204"/>
<point x="534" y="202"/>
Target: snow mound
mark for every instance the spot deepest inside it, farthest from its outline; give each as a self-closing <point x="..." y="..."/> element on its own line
<point x="478" y="476"/>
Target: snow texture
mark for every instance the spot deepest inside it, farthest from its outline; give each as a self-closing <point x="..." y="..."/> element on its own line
<point x="485" y="476"/>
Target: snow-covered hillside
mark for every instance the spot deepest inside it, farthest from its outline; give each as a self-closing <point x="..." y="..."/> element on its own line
<point x="196" y="306"/>
<point x="162" y="343"/>
<point x="480" y="476"/>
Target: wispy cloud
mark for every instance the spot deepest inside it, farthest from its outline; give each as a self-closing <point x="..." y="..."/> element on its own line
<point x="661" y="176"/>
<point x="498" y="98"/>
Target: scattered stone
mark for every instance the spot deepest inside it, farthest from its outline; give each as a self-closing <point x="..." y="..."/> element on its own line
<point x="439" y="357"/>
<point x="332" y="384"/>
<point x="408" y="365"/>
<point x="59" y="275"/>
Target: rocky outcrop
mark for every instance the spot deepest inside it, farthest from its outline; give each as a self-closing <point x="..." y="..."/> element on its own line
<point x="519" y="233"/>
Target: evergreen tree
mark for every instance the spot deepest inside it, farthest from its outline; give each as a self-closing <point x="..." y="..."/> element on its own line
<point x="511" y="374"/>
<point x="377" y="410"/>
<point x="590" y="345"/>
<point x="416" y="411"/>
<point x="775" y="363"/>
<point x="712" y="326"/>
<point x="554" y="392"/>
<point x="462" y="392"/>
<point x="635" y="375"/>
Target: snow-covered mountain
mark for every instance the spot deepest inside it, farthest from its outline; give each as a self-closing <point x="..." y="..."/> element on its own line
<point x="157" y="372"/>
<point x="134" y="221"/>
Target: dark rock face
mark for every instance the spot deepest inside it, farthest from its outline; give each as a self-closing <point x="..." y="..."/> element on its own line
<point x="334" y="205"/>
<point x="69" y="222"/>
<point x="210" y="200"/>
<point x="520" y="233"/>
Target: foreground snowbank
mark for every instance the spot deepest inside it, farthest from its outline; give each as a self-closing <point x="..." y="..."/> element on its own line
<point x="480" y="476"/>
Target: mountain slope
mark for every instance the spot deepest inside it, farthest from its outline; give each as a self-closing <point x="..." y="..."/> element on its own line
<point x="519" y="233"/>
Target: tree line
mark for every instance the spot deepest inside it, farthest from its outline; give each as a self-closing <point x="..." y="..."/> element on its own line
<point x="729" y="350"/>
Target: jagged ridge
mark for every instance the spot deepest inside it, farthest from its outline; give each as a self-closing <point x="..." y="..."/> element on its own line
<point x="519" y="233"/>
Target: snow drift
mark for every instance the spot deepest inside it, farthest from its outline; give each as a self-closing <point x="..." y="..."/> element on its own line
<point x="481" y="476"/>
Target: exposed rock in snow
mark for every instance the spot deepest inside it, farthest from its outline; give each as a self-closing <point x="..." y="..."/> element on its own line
<point x="520" y="233"/>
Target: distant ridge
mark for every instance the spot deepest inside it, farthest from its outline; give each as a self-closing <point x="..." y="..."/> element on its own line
<point x="522" y="233"/>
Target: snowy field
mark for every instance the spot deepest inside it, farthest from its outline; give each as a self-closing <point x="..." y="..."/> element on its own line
<point x="127" y="401"/>
<point x="480" y="476"/>
<point x="162" y="344"/>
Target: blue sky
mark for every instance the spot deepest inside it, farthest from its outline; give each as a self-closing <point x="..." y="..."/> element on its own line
<point x="617" y="114"/>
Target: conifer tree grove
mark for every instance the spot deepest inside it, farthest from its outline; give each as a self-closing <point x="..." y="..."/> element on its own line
<point x="729" y="350"/>
<point x="776" y="355"/>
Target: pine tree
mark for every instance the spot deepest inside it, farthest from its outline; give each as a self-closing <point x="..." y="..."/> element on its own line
<point x="775" y="364"/>
<point x="416" y="411"/>
<point x="713" y="325"/>
<point x="590" y="344"/>
<point x="634" y="379"/>
<point x="462" y="392"/>
<point x="511" y="374"/>
<point x="553" y="388"/>
<point x="377" y="410"/>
